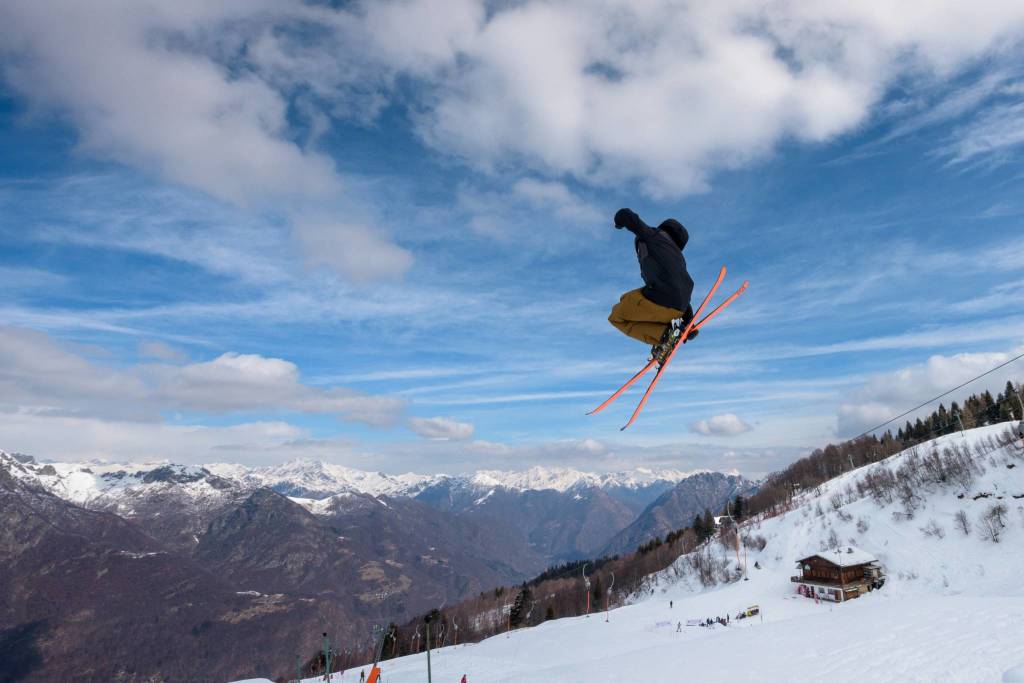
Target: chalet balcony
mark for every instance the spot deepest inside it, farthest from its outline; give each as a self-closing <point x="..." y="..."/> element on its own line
<point x="827" y="582"/>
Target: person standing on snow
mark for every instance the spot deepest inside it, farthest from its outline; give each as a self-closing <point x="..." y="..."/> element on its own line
<point x="657" y="312"/>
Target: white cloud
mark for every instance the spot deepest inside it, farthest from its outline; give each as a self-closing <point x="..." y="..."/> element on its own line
<point x="726" y="424"/>
<point x="526" y="209"/>
<point x="889" y="394"/>
<point x="442" y="428"/>
<point x="556" y="197"/>
<point x="993" y="135"/>
<point x="667" y="92"/>
<point x="39" y="376"/>
<point x="136" y="80"/>
<point x="64" y="437"/>
<point x="662" y="92"/>
<point x="165" y="88"/>
<point x="356" y="250"/>
<point x="161" y="351"/>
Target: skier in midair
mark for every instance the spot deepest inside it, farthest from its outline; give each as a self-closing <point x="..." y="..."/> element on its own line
<point x="657" y="312"/>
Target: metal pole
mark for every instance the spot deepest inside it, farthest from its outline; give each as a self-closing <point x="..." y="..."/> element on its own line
<point x="608" y="599"/>
<point x="327" y="658"/>
<point x="1021" y="402"/>
<point x="961" y="423"/>
<point x="428" y="652"/>
<point x="298" y="669"/>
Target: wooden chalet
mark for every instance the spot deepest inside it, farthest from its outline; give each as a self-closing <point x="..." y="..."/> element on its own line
<point x="838" y="575"/>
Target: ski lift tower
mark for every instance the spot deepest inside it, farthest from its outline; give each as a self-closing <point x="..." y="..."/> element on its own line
<point x="586" y="584"/>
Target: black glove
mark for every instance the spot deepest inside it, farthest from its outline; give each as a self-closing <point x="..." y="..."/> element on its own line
<point x="624" y="217"/>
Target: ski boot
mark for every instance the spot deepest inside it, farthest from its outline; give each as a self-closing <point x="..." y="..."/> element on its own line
<point x="669" y="339"/>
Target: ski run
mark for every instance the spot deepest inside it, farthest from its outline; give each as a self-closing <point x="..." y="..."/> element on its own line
<point x="951" y="608"/>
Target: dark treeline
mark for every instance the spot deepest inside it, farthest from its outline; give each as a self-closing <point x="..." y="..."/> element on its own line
<point x="829" y="462"/>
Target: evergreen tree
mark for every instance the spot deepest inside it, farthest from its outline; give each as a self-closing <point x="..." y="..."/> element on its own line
<point x="549" y="614"/>
<point x="1006" y="412"/>
<point x="709" y="524"/>
<point x="520" y="606"/>
<point x="739" y="507"/>
<point x="991" y="413"/>
<point x="1010" y="397"/>
<point x="698" y="527"/>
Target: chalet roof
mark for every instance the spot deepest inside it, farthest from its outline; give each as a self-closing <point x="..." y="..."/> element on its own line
<point x="844" y="556"/>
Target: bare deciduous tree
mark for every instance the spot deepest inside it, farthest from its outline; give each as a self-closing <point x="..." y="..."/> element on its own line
<point x="962" y="522"/>
<point x="932" y="529"/>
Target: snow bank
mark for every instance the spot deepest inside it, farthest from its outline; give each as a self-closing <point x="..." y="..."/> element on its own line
<point x="1014" y="675"/>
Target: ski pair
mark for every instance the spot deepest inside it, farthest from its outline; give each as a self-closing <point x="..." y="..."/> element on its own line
<point x="694" y="325"/>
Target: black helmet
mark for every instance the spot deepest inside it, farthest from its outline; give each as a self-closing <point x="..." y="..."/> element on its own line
<point x="676" y="231"/>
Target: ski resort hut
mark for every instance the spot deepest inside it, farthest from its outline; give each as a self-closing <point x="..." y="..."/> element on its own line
<point x="837" y="575"/>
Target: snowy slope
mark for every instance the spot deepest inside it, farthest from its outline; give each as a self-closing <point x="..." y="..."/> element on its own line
<point x="952" y="608"/>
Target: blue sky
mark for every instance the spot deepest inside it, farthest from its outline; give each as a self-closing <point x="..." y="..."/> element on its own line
<point x="381" y="234"/>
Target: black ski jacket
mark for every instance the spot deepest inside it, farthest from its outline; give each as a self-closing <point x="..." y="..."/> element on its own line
<point x="662" y="266"/>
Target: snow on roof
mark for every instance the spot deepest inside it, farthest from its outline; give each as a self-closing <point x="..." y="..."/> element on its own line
<point x="845" y="556"/>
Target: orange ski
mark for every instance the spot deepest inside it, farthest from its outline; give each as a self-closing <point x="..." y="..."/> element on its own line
<point x="712" y="314"/>
<point x="650" y="364"/>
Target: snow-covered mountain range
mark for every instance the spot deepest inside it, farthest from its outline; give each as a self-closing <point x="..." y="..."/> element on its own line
<point x="562" y="513"/>
<point x="318" y="479"/>
<point x="91" y="482"/>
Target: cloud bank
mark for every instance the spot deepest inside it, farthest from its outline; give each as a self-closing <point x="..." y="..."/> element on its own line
<point x="441" y="428"/>
<point x="888" y="394"/>
<point x="726" y="424"/>
<point x="40" y="377"/>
